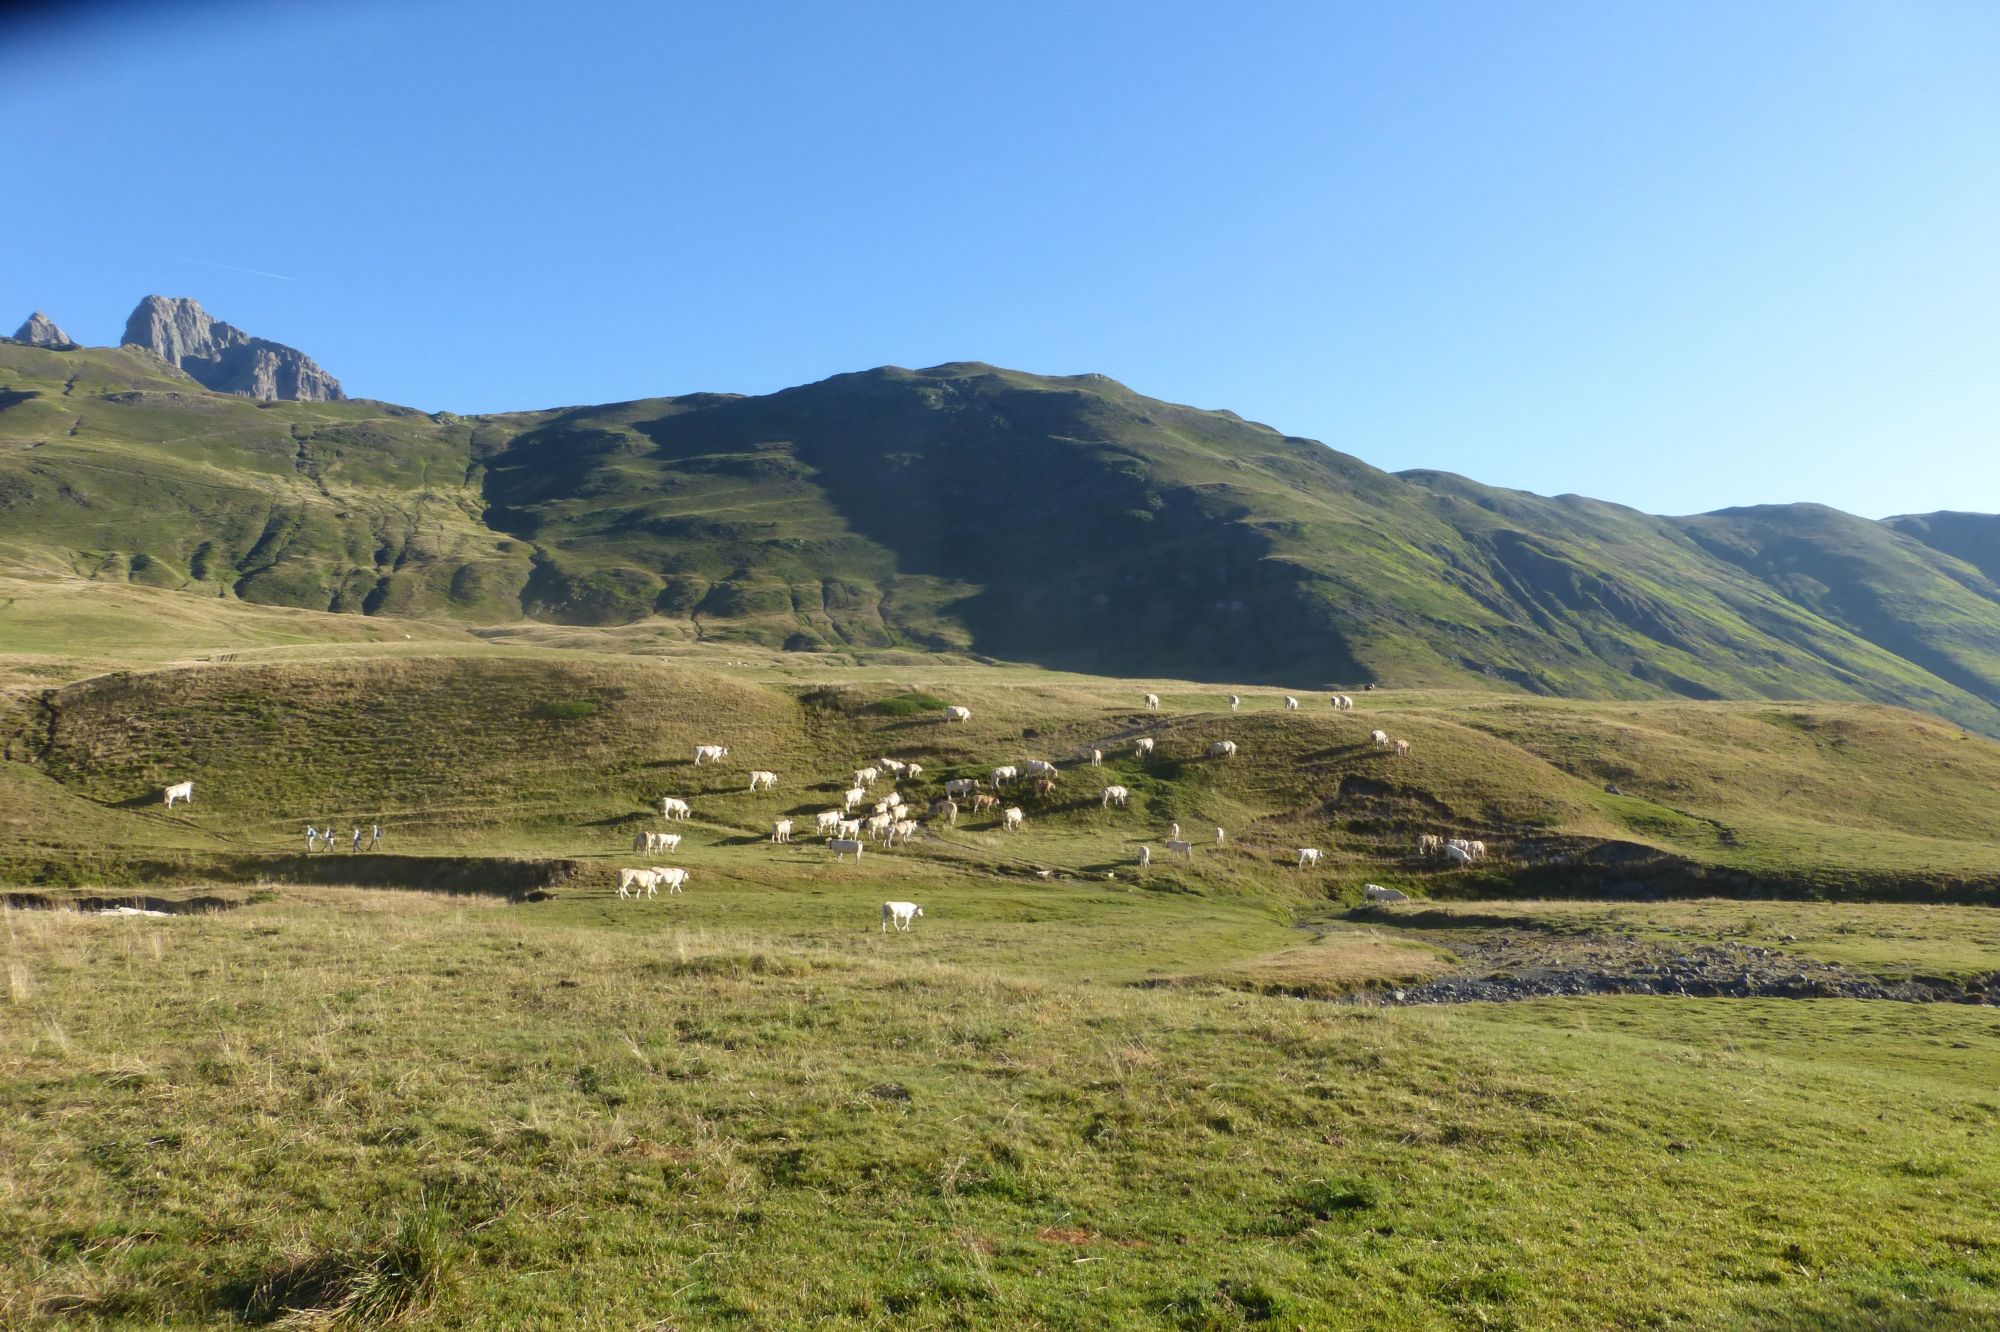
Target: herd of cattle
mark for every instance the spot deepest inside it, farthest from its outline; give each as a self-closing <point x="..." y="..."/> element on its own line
<point x="890" y="818"/>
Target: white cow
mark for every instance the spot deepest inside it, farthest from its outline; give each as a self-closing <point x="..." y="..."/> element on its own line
<point x="955" y="713"/>
<point x="853" y="796"/>
<point x="1375" y="892"/>
<point x="961" y="786"/>
<point x="1380" y="739"/>
<point x="866" y="776"/>
<point x="631" y="880"/>
<point x="180" y="791"/>
<point x="1152" y="700"/>
<point x="1004" y="774"/>
<point x="914" y="771"/>
<point x="670" y="879"/>
<point x="848" y="828"/>
<point x="763" y="781"/>
<point x="826" y="820"/>
<point x="1291" y="704"/>
<point x="709" y="754"/>
<point x="656" y="841"/>
<point x="1096" y="757"/>
<point x="1343" y="703"/>
<point x="1457" y="855"/>
<point x="877" y="824"/>
<point x="946" y="810"/>
<point x="1402" y="749"/>
<point x="1143" y="745"/>
<point x="896" y="766"/>
<point x="1220" y="837"/>
<point x="1039" y="768"/>
<point x="1478" y="849"/>
<point x="1222" y="749"/>
<point x="1308" y="855"/>
<point x="1116" y="795"/>
<point x="1145" y="856"/>
<point x="844" y="846"/>
<point x="671" y="808"/>
<point x="903" y="828"/>
<point x="1174" y="828"/>
<point x="902" y="913"/>
<point x="781" y="830"/>
<point x="1011" y="818"/>
<point x="1176" y="847"/>
<point x="1234" y="702"/>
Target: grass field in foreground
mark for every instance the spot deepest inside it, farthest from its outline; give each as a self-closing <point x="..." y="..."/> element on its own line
<point x="576" y="1113"/>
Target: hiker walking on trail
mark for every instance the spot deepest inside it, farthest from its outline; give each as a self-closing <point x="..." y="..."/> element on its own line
<point x="312" y="839"/>
<point x="357" y="837"/>
<point x="374" y="836"/>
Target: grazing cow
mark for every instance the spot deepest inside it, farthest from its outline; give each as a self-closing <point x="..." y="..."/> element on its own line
<point x="853" y="796"/>
<point x="903" y="828"/>
<point x="709" y="754"/>
<point x="1234" y="702"/>
<point x="630" y="880"/>
<point x="1478" y="850"/>
<point x="1176" y="847"/>
<point x="955" y="713"/>
<point x="826" y="820"/>
<point x="1402" y="749"/>
<point x="946" y="810"/>
<point x="896" y="766"/>
<point x="763" y="781"/>
<point x="1343" y="703"/>
<point x="848" y="828"/>
<point x="1004" y="774"/>
<point x="877" y="824"/>
<point x="1222" y="749"/>
<point x="1375" y="892"/>
<point x="844" y="846"/>
<point x="1043" y="786"/>
<point x="1039" y="768"/>
<point x="1116" y="795"/>
<point x="1291" y="704"/>
<point x="1152" y="700"/>
<point x="981" y="800"/>
<point x="913" y="771"/>
<point x="1143" y="746"/>
<point x="1145" y="856"/>
<point x="885" y="804"/>
<point x="180" y="791"/>
<point x="1220" y="837"/>
<point x="902" y="913"/>
<point x="781" y="830"/>
<point x="1380" y="739"/>
<point x="1457" y="855"/>
<point x="671" y="879"/>
<point x="665" y="841"/>
<point x="961" y="786"/>
<point x="1430" y="844"/>
<point x="671" y="808"/>
<point x="1174" y="829"/>
<point x="1011" y="818"/>
<point x="642" y="841"/>
<point x="866" y="776"/>
<point x="1308" y="855"/>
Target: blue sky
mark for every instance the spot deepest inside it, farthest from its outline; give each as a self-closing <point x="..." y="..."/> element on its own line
<point x="1677" y="255"/>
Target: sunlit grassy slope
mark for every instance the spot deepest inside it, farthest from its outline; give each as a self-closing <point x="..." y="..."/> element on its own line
<point x="534" y="752"/>
<point x="1065" y="521"/>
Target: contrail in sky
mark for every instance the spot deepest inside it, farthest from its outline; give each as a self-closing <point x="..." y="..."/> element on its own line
<point x="253" y="272"/>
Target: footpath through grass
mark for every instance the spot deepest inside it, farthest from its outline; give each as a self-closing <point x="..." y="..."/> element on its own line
<point x="682" y="1114"/>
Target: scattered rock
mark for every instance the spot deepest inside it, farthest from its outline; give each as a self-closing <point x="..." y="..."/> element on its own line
<point x="223" y="357"/>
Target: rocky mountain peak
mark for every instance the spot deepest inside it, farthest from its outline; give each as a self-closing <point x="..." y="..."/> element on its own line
<point x="223" y="357"/>
<point x="40" y="331"/>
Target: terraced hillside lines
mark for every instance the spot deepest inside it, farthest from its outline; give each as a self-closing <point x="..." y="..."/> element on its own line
<point x="1065" y="521"/>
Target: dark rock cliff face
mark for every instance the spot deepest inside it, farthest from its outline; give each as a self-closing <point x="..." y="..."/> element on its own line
<point x="223" y="357"/>
<point x="41" y="331"/>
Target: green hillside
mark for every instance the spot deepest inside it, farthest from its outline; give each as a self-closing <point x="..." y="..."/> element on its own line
<point x="1062" y="521"/>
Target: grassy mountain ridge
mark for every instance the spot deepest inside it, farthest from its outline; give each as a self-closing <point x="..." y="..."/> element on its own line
<point x="1066" y="521"/>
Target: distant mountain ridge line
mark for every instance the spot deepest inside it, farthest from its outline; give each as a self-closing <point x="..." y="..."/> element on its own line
<point x="1063" y="520"/>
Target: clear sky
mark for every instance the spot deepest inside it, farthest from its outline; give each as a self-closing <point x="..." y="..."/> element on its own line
<point x="1672" y="253"/>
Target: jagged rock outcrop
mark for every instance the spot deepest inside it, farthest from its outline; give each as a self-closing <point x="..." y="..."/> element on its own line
<point x="41" y="331"/>
<point x="223" y="357"/>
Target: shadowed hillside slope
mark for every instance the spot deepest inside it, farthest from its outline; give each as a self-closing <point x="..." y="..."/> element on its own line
<point x="1060" y="520"/>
